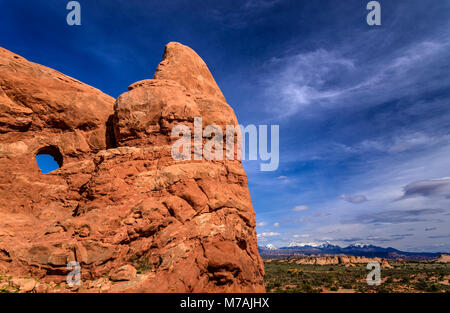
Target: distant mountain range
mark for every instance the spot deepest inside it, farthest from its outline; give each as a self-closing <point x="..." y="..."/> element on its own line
<point x="295" y="249"/>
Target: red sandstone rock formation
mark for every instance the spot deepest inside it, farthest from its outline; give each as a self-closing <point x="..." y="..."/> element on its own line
<point x="341" y="259"/>
<point x="443" y="258"/>
<point x="119" y="199"/>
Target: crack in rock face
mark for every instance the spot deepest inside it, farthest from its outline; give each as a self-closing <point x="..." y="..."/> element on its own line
<point x="119" y="204"/>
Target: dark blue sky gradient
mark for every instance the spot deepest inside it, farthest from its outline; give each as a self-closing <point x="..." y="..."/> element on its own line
<point x="362" y="110"/>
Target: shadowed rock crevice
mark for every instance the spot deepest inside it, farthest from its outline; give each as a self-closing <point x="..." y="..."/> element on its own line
<point x="110" y="136"/>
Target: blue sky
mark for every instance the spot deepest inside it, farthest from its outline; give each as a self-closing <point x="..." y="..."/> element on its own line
<point x="364" y="112"/>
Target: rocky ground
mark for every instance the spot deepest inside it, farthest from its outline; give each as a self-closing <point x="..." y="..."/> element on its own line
<point x="121" y="281"/>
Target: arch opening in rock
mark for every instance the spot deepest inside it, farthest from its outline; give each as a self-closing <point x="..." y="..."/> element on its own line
<point x="49" y="159"/>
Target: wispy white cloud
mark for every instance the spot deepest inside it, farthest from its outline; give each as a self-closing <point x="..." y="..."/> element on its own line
<point x="269" y="234"/>
<point x="399" y="143"/>
<point x="284" y="179"/>
<point x="300" y="208"/>
<point x="309" y="81"/>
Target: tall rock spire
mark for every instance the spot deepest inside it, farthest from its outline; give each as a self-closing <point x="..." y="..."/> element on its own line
<point x="120" y="202"/>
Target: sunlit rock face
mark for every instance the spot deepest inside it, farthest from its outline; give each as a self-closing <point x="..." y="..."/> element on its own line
<point x="120" y="201"/>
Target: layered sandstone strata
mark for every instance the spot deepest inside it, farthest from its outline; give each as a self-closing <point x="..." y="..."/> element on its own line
<point x="341" y="259"/>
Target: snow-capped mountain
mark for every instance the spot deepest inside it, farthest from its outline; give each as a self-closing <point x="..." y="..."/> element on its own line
<point x="358" y="245"/>
<point x="271" y="247"/>
<point x="303" y="244"/>
<point x="326" y="244"/>
<point x="327" y="248"/>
